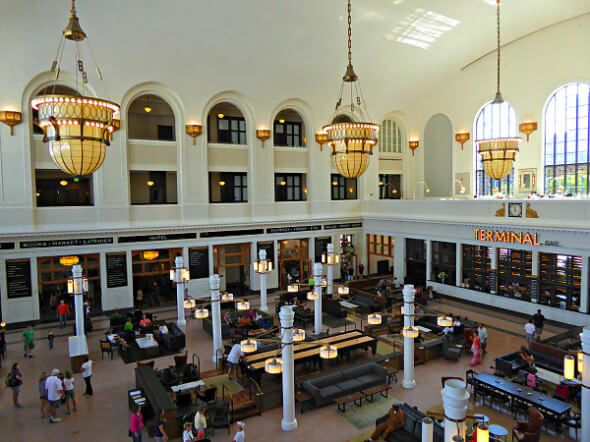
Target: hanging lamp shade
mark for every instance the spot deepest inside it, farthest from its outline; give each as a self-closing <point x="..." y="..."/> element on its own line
<point x="328" y="352"/>
<point x="569" y="363"/>
<point x="410" y="332"/>
<point x="189" y="303"/>
<point x="201" y="313"/>
<point x="249" y="345"/>
<point x="243" y="305"/>
<point x="150" y="254"/>
<point x="227" y="297"/>
<point x="68" y="261"/>
<point x="298" y="335"/>
<point x="374" y="319"/>
<point x="343" y="290"/>
<point x="444" y="321"/>
<point x="498" y="155"/>
<point x="273" y="365"/>
<point x="292" y="288"/>
<point x="312" y="296"/>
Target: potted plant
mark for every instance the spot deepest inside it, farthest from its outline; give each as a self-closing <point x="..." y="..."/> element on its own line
<point x="442" y="276"/>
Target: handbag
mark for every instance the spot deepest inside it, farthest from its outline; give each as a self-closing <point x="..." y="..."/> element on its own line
<point x="130" y="433"/>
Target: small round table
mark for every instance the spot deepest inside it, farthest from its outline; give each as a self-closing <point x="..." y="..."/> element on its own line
<point x="481" y="418"/>
<point x="498" y="431"/>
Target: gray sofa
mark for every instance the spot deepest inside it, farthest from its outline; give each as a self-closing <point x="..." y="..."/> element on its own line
<point x="325" y="389"/>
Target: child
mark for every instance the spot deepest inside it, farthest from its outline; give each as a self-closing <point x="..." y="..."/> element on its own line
<point x="43" y="395"/>
<point x="50" y="339"/>
<point x="187" y="436"/>
<point x="69" y="391"/>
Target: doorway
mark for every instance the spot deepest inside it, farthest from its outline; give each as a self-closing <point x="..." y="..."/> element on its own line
<point x="232" y="263"/>
<point x="380" y="254"/>
<point x="151" y="277"/>
<point x="294" y="262"/>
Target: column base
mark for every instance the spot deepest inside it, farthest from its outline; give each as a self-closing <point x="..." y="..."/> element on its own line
<point x="264" y="308"/>
<point x="409" y="384"/>
<point x="181" y="323"/>
<point x="289" y="425"/>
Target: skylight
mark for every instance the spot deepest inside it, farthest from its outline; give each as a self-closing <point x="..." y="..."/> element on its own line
<point x="422" y="28"/>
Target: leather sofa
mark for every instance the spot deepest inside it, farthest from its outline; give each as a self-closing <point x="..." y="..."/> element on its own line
<point x="234" y="317"/>
<point x="549" y="357"/>
<point x="412" y="430"/>
<point x="326" y="388"/>
<point x="333" y="308"/>
<point x="509" y="364"/>
<point x="175" y="339"/>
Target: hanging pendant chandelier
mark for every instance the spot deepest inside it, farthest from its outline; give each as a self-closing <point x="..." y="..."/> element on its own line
<point x="77" y="127"/>
<point x="351" y="143"/>
<point x="498" y="154"/>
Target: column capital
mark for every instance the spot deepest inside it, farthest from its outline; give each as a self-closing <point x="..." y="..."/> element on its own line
<point x="262" y="254"/>
<point x="179" y="262"/>
<point x="409" y="293"/>
<point x="317" y="269"/>
<point x="286" y="316"/>
<point x="77" y="270"/>
<point x="214" y="282"/>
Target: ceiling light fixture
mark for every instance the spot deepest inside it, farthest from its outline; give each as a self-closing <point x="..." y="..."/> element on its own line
<point x="150" y="183"/>
<point x="282" y="121"/>
<point x="220" y="116"/>
<point x="147" y="109"/>
<point x="351" y="143"/>
<point x="78" y="127"/>
<point x="498" y="154"/>
<point x="63" y="183"/>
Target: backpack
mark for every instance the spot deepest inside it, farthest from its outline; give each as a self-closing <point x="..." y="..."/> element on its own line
<point x="531" y="380"/>
<point x="10" y="381"/>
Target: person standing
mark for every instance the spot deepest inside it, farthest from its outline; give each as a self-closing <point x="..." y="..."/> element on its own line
<point x="136" y="424"/>
<point x="539" y="321"/>
<point x="233" y="359"/>
<point x="54" y="392"/>
<point x="43" y="395"/>
<point x="476" y="349"/>
<point x="62" y="312"/>
<point x="529" y="330"/>
<point x="29" y="341"/>
<point x="483" y="337"/>
<point x="160" y="434"/>
<point x="361" y="270"/>
<point x="240" y="434"/>
<point x="50" y="338"/>
<point x="87" y="374"/>
<point x="15" y="384"/>
<point x="70" y="393"/>
<point x="200" y="420"/>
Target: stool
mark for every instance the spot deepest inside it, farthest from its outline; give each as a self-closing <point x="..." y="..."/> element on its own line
<point x="498" y="431"/>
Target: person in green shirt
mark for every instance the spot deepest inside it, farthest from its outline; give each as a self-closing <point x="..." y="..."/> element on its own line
<point x="128" y="325"/>
<point x="29" y="341"/>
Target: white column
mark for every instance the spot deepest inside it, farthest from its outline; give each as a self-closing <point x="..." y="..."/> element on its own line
<point x="263" y="303"/>
<point x="215" y="315"/>
<point x="455" y="397"/>
<point x="409" y="294"/>
<point x="179" y="264"/>
<point x="330" y="250"/>
<point x="399" y="258"/>
<point x="535" y="271"/>
<point x="289" y="423"/>
<point x="585" y="408"/>
<point x="317" y="288"/>
<point x="428" y="260"/>
<point x="427" y="429"/>
<point x="78" y="299"/>
<point x="584" y="285"/>
<point x="458" y="265"/>
<point x="494" y="267"/>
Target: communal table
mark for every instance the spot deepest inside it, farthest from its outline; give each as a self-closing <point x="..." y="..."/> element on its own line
<point x="524" y="394"/>
<point x="187" y="386"/>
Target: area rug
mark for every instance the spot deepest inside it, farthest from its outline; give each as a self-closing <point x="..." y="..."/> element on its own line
<point x="233" y="386"/>
<point x="361" y="437"/>
<point x="333" y="322"/>
<point x="366" y="415"/>
<point x="132" y="354"/>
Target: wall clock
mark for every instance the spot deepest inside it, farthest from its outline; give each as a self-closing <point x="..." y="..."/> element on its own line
<point x="515" y="210"/>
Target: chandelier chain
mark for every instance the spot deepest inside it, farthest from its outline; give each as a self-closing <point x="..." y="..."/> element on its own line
<point x="498" y="52"/>
<point x="349" y="35"/>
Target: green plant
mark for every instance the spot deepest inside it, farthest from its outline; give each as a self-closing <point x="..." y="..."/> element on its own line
<point x="442" y="275"/>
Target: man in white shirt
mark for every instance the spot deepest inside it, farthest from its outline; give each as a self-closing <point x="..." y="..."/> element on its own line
<point x="483" y="337"/>
<point x="233" y="359"/>
<point x="54" y="393"/>
<point x="529" y="330"/>
<point x="87" y="374"/>
<point x="240" y="435"/>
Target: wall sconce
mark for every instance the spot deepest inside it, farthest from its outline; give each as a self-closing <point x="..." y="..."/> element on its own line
<point x="194" y="130"/>
<point x="115" y="126"/>
<point x="414" y="145"/>
<point x="462" y="137"/>
<point x="527" y="128"/>
<point x="263" y="135"/>
<point x="321" y="138"/>
<point x="11" y="118"/>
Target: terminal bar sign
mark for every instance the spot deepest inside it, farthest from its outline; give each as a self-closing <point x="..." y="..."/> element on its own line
<point x="507" y="237"/>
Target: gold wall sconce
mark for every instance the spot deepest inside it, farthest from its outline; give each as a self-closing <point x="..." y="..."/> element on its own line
<point x="194" y="130"/>
<point x="414" y="145"/>
<point x="321" y="138"/>
<point x="528" y="128"/>
<point x="115" y="126"/>
<point x="462" y="137"/>
<point x="11" y="119"/>
<point x="263" y="135"/>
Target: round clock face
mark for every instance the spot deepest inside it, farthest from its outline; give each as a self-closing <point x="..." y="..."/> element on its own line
<point x="515" y="209"/>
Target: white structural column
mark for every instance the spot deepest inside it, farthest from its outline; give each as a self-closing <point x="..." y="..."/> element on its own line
<point x="427" y="429"/>
<point x="428" y="260"/>
<point x="584" y="285"/>
<point x="179" y="264"/>
<point x="215" y="316"/>
<point x="399" y="258"/>
<point x="458" y="265"/>
<point x="317" y="288"/>
<point x="494" y="267"/>
<point x="585" y="409"/>
<point x="455" y="397"/>
<point x="78" y="299"/>
<point x="263" y="302"/>
<point x="330" y="270"/>
<point x="409" y="294"/>
<point x="289" y="423"/>
<point x="535" y="271"/>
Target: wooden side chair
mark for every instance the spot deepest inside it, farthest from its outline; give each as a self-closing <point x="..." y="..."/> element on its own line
<point x="105" y="347"/>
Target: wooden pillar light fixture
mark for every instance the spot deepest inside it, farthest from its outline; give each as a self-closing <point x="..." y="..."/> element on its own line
<point x="262" y="135"/>
<point x="321" y="138"/>
<point x="194" y="130"/>
<point x="528" y="127"/>
<point x="11" y="119"/>
<point x="414" y="145"/>
<point x="462" y="137"/>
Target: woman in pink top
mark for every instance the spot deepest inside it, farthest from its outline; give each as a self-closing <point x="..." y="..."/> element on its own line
<point x="136" y="424"/>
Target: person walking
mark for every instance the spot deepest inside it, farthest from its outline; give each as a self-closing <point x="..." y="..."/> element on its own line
<point x="16" y="380"/>
<point x="233" y="360"/>
<point x="70" y="393"/>
<point x="54" y="392"/>
<point x="87" y="374"/>
<point x="482" y="332"/>
<point x="62" y="311"/>
<point x="200" y="419"/>
<point x="529" y="330"/>
<point x="43" y="395"/>
<point x="160" y="434"/>
<point x="476" y="349"/>
<point x="29" y="341"/>
<point x="240" y="434"/>
<point x="136" y="424"/>
<point x="50" y="339"/>
<point x="539" y="321"/>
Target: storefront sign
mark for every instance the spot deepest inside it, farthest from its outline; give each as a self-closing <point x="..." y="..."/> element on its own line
<point x="116" y="270"/>
<point x="149" y="238"/>
<point x="65" y="242"/>
<point x="6" y="245"/>
<point x="222" y="233"/>
<point x="507" y="237"/>
<point x="18" y="278"/>
<point x="343" y="226"/>
<point x="293" y="229"/>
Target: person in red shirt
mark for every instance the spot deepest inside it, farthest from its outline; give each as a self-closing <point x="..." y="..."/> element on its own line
<point x="145" y="322"/>
<point x="62" y="311"/>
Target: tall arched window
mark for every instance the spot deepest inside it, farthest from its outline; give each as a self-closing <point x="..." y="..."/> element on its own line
<point x="390" y="137"/>
<point x="566" y="140"/>
<point x="493" y="121"/>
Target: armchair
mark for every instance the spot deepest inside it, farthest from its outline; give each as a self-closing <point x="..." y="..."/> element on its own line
<point x="529" y="431"/>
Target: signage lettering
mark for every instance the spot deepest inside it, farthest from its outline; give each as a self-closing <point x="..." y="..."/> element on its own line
<point x="166" y="237"/>
<point x="65" y="242"/>
<point x="293" y="229"/>
<point x="343" y="226"/>
<point x="507" y="237"/>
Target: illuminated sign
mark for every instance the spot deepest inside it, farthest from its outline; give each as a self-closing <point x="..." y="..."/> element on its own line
<point x="507" y="237"/>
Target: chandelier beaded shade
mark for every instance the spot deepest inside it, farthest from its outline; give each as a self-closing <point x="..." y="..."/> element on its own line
<point x="351" y="143"/>
<point x="498" y="154"/>
<point x="77" y="127"/>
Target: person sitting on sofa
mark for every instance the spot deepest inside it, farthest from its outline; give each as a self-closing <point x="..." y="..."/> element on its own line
<point x="227" y="317"/>
<point x="145" y="322"/>
<point x="128" y="324"/>
<point x="395" y="419"/>
<point x="527" y="357"/>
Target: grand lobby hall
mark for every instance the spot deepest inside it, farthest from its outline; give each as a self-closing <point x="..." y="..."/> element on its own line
<point x="312" y="220"/>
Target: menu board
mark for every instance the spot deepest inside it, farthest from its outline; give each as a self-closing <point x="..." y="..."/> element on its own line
<point x="198" y="262"/>
<point x="493" y="281"/>
<point x="18" y="278"/>
<point x="534" y="287"/>
<point x="269" y="248"/>
<point x="116" y="270"/>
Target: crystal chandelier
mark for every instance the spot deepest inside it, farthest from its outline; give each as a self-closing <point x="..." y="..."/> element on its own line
<point x="351" y="143"/>
<point x="77" y="127"/>
<point x="498" y="154"/>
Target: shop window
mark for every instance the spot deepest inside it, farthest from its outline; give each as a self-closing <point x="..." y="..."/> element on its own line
<point x="514" y="273"/>
<point x="390" y="186"/>
<point x="444" y="262"/>
<point x="228" y="187"/>
<point x="560" y="280"/>
<point x="290" y="187"/>
<point x="151" y="118"/>
<point x="153" y="187"/>
<point x="477" y="263"/>
<point x="343" y="188"/>
<point x="55" y="188"/>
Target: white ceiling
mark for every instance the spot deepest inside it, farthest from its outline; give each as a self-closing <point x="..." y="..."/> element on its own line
<point x="276" y="48"/>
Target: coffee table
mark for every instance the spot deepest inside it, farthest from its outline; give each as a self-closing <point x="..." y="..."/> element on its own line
<point x="148" y="347"/>
<point x="498" y="431"/>
<point x="379" y="389"/>
<point x="303" y="399"/>
<point x="342" y="401"/>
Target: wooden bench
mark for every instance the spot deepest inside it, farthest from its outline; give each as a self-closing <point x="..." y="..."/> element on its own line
<point x="379" y="389"/>
<point x="354" y="397"/>
<point x="303" y="399"/>
<point x="391" y="375"/>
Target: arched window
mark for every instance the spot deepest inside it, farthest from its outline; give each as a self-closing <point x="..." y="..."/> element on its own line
<point x="151" y="118"/>
<point x="494" y="120"/>
<point x="390" y="139"/>
<point x="566" y="140"/>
